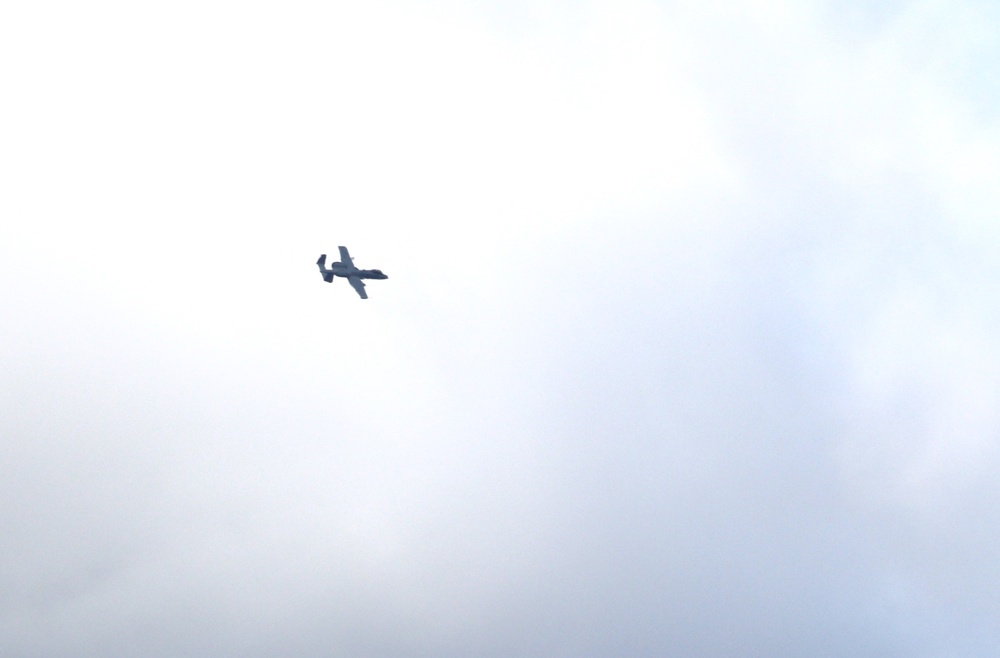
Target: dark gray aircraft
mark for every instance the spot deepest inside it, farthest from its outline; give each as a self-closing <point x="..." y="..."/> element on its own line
<point x="346" y="269"/>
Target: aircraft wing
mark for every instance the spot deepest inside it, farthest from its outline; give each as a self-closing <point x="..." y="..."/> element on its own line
<point x="345" y="257"/>
<point x="358" y="285"/>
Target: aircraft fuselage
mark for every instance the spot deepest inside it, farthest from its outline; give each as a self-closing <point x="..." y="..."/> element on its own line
<point x="345" y="270"/>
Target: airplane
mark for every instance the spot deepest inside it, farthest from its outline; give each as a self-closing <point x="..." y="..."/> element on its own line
<point x="346" y="269"/>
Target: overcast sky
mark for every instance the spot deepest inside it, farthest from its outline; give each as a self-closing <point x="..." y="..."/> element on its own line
<point x="688" y="348"/>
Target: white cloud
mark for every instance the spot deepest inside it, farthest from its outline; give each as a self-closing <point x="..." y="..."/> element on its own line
<point x="686" y="341"/>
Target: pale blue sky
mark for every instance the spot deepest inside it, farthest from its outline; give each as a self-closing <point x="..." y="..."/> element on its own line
<point x="688" y="346"/>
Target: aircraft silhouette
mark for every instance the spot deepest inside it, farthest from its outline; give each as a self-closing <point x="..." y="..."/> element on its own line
<point x="346" y="269"/>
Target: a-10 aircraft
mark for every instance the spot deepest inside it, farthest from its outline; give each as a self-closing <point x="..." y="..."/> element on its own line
<point x="346" y="269"/>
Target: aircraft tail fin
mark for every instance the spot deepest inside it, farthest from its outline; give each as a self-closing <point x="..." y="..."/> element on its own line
<point x="327" y="274"/>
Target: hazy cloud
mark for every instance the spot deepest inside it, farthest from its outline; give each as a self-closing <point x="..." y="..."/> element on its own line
<point x="686" y="347"/>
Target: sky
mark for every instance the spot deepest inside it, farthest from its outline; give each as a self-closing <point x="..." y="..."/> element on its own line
<point x="687" y="347"/>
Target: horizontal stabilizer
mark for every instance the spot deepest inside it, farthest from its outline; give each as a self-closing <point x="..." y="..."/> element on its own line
<point x="327" y="274"/>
